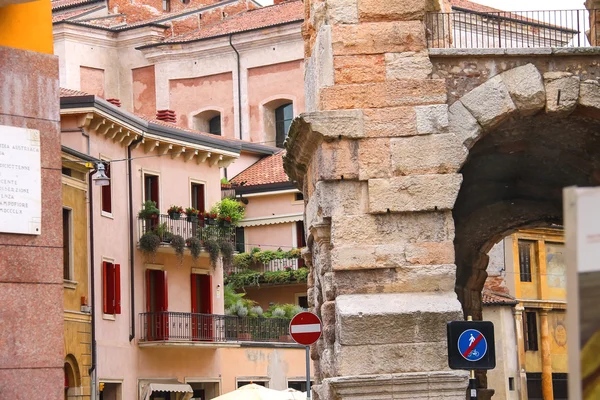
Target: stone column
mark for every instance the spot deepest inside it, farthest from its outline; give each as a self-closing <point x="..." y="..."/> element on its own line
<point x="594" y="33"/>
<point x="522" y="382"/>
<point x="547" y="391"/>
<point x="378" y="166"/>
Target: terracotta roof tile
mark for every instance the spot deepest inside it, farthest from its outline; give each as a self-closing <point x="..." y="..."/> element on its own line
<point x="265" y="171"/>
<point x="490" y="298"/>
<point x="74" y="13"/>
<point x="289" y="11"/>
<point x="62" y="4"/>
<point x="469" y="5"/>
<point x="64" y="92"/>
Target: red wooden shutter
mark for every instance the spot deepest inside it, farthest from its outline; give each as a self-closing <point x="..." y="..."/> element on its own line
<point x="117" y="280"/>
<point x="109" y="288"/>
<point x="154" y="193"/>
<point x="148" y="294"/>
<point x="104" y="288"/>
<point x="194" y="298"/>
<point x="210" y="305"/>
<point x="106" y="192"/>
<point x="165" y="303"/>
<point x="300" y="234"/>
<point x="201" y="201"/>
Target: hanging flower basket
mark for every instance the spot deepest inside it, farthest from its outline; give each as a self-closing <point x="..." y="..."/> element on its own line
<point x="175" y="212"/>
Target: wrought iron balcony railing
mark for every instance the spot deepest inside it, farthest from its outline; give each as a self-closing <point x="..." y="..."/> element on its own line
<point x="165" y="228"/>
<point x="464" y="28"/>
<point x="189" y="327"/>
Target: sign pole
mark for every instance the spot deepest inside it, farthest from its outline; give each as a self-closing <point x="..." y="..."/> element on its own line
<point x="308" y="372"/>
<point x="473" y="385"/>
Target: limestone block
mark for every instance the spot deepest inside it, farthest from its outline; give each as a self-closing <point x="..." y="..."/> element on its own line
<point x="329" y="293"/>
<point x="338" y="160"/>
<point x="463" y="124"/>
<point x="378" y="37"/>
<point x="384" y="94"/>
<point x="333" y="124"/>
<point x="568" y="87"/>
<point x="342" y="11"/>
<point x="395" y="318"/>
<point x="432" y="119"/>
<point x="526" y="87"/>
<point x="336" y="198"/>
<point x="391" y="358"/>
<point x="359" y="68"/>
<point x="425" y="227"/>
<point x="408" y="65"/>
<point x="490" y="103"/>
<point x="376" y="10"/>
<point x="402" y="279"/>
<point x="430" y="253"/>
<point x="390" y="122"/>
<point x="374" y="158"/>
<point x="447" y="385"/>
<point x="319" y="68"/>
<point x="589" y="95"/>
<point x="328" y="364"/>
<point x="432" y="154"/>
<point x="414" y="193"/>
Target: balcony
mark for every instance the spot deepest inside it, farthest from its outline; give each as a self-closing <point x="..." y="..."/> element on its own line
<point x="470" y="29"/>
<point x="180" y="328"/>
<point x="165" y="228"/>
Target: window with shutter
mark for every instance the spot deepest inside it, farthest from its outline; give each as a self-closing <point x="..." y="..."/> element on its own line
<point x="300" y="240"/>
<point x="525" y="256"/>
<point x="151" y="188"/>
<point x="106" y="199"/>
<point x="111" y="288"/>
<point x="530" y="331"/>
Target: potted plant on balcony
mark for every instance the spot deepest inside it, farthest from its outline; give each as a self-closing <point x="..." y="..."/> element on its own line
<point x="193" y="243"/>
<point x="149" y="243"/>
<point x="212" y="246"/>
<point x="225" y="222"/>
<point x="191" y="214"/>
<point x="175" y="212"/>
<point x="149" y="210"/>
<point x="227" y="252"/>
<point x="178" y="243"/>
<point x="229" y="210"/>
<point x="211" y="218"/>
<point x="163" y="233"/>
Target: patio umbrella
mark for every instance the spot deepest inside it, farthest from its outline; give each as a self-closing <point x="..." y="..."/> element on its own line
<point x="254" y="392"/>
<point x="294" y="394"/>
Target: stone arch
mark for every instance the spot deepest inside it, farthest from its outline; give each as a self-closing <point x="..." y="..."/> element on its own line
<point x="72" y="375"/>
<point x="528" y="136"/>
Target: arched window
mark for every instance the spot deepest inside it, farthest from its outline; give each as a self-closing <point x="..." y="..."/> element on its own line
<point x="283" y="119"/>
<point x="208" y="121"/>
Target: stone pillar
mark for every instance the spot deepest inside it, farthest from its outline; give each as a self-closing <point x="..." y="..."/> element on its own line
<point x="547" y="391"/>
<point x="522" y="381"/>
<point x="377" y="163"/>
<point x="594" y="33"/>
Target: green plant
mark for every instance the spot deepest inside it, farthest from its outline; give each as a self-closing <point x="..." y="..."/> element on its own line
<point x="238" y="280"/>
<point x="242" y="261"/>
<point x="149" y="243"/>
<point x="191" y="212"/>
<point x="227" y="252"/>
<point x="264" y="256"/>
<point x="175" y="212"/>
<point x="195" y="247"/>
<point x="231" y="208"/>
<point x="224" y="181"/>
<point x="148" y="210"/>
<point x="163" y="233"/>
<point x="255" y="250"/>
<point x="178" y="243"/>
<point x="213" y="248"/>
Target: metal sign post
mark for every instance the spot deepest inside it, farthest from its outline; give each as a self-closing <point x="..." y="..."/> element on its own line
<point x="308" y="372"/>
<point x="306" y="329"/>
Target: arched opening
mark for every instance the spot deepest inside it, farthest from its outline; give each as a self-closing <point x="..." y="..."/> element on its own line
<point x="208" y="121"/>
<point x="277" y="118"/>
<point x="72" y="377"/>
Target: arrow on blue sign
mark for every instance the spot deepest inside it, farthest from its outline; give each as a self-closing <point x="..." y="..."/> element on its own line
<point x="472" y="345"/>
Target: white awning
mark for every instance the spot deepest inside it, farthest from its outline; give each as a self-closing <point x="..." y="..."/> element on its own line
<point x="184" y="388"/>
<point x="272" y="220"/>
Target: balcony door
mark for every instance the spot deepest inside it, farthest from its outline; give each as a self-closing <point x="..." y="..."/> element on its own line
<point x="157" y="304"/>
<point x="202" y="320"/>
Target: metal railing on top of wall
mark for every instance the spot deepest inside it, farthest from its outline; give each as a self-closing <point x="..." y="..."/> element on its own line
<point x="464" y="28"/>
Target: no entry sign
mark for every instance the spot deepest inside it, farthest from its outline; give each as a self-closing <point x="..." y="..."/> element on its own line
<point x="471" y="345"/>
<point x="305" y="328"/>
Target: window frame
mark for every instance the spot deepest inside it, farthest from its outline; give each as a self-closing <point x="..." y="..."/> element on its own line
<point x="111" y="297"/>
<point x="284" y="133"/>
<point x="107" y="170"/>
<point x="71" y="278"/>
<point x="193" y="182"/>
<point x="158" y="175"/>
<point x="526" y="275"/>
<point x="210" y="121"/>
<point x="530" y="336"/>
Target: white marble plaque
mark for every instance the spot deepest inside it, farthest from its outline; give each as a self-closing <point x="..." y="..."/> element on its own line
<point x="20" y="181"/>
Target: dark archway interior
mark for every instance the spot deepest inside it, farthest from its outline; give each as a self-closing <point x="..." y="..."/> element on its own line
<point x="513" y="178"/>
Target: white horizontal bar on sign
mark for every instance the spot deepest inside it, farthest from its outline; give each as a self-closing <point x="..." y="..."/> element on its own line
<point x="307" y="328"/>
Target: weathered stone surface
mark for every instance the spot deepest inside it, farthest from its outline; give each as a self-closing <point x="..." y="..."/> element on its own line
<point x="374" y="158"/>
<point x="463" y="124"/>
<point x="388" y="358"/>
<point x="567" y="86"/>
<point x="490" y="103"/>
<point x="370" y="229"/>
<point x="319" y="68"/>
<point x="390" y="122"/>
<point x="342" y="11"/>
<point x="408" y="65"/>
<point x="376" y="10"/>
<point x="431" y="154"/>
<point x="395" y="317"/>
<point x="589" y="95"/>
<point x="336" y="198"/>
<point x="378" y="38"/>
<point x="414" y="193"/>
<point x="333" y="124"/>
<point x="338" y="160"/>
<point x="384" y="94"/>
<point x="447" y="385"/>
<point x="430" y="253"/>
<point x="432" y="119"/>
<point x="401" y="279"/>
<point x="359" y="69"/>
<point x="526" y="87"/>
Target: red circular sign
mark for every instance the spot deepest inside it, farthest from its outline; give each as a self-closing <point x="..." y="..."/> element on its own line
<point x="306" y="328"/>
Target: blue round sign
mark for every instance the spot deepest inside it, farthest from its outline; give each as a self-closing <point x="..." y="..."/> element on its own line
<point x="472" y="345"/>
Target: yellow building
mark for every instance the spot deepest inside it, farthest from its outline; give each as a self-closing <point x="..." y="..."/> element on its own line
<point x="529" y="268"/>
<point x="77" y="313"/>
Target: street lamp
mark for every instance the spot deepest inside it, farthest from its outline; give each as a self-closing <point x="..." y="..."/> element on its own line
<point x="100" y="177"/>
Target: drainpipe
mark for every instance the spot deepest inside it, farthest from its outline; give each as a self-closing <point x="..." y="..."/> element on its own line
<point x="92" y="370"/>
<point x="131" y="243"/>
<point x="239" y="86"/>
